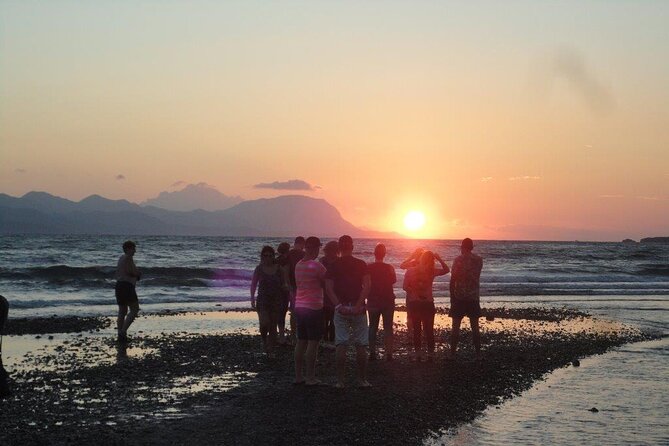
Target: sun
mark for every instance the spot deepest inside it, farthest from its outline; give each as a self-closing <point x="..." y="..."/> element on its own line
<point x="414" y="220"/>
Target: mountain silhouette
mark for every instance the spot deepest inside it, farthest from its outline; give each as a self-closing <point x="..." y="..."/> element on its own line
<point x="288" y="215"/>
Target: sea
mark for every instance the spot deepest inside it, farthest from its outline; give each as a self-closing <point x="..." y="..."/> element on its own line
<point x="628" y="282"/>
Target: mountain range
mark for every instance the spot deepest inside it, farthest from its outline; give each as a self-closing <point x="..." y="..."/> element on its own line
<point x="288" y="215"/>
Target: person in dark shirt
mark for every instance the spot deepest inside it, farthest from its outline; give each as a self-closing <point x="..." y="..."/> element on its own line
<point x="465" y="295"/>
<point x="347" y="283"/>
<point x="283" y="262"/>
<point x="331" y="251"/>
<point x="269" y="280"/>
<point x="381" y="301"/>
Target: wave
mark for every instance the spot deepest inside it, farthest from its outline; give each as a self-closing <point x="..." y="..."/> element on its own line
<point x="653" y="270"/>
<point x="170" y="275"/>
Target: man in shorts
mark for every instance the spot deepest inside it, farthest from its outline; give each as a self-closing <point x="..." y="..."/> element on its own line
<point x="127" y="276"/>
<point x="309" y="276"/>
<point x="465" y="296"/>
<point x="347" y="284"/>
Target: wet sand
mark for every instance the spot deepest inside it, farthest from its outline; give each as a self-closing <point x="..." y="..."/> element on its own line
<point x="202" y="378"/>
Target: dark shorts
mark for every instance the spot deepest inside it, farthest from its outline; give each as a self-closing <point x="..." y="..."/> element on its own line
<point x="125" y="293"/>
<point x="462" y="308"/>
<point x="309" y="324"/>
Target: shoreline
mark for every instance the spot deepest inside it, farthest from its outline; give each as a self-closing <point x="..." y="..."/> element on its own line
<point x="216" y="387"/>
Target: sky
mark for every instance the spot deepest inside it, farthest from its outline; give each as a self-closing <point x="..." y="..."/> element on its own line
<point x="534" y="120"/>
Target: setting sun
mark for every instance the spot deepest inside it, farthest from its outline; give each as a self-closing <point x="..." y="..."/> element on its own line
<point x="414" y="220"/>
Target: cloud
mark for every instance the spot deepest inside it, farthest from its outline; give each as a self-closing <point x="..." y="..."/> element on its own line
<point x="486" y="179"/>
<point x="21" y="171"/>
<point x="120" y="177"/>
<point x="178" y="183"/>
<point x="588" y="146"/>
<point x="525" y="178"/>
<point x="653" y="198"/>
<point x="286" y="185"/>
<point x="612" y="196"/>
<point x="572" y="66"/>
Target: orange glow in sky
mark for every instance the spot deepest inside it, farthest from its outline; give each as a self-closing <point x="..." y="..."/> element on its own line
<point x="495" y="119"/>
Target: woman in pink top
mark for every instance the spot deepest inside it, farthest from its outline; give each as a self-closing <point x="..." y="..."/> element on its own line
<point x="309" y="276"/>
<point x="420" y="302"/>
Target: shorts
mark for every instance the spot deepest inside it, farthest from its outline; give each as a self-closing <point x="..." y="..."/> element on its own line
<point x="351" y="329"/>
<point x="462" y="308"/>
<point x="125" y="293"/>
<point x="309" y="324"/>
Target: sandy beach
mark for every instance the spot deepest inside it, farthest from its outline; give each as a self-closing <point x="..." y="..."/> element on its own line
<point x="202" y="377"/>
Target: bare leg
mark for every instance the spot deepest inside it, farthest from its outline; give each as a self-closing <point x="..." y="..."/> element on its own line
<point x="455" y="334"/>
<point x="134" y="310"/>
<point x="300" y="349"/>
<point x="312" y="352"/>
<point x="361" y="361"/>
<point x="476" y="335"/>
<point x="341" y="365"/>
<point x="122" y="311"/>
<point x="388" y="335"/>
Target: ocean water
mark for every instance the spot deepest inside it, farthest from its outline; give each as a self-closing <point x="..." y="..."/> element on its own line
<point x="75" y="274"/>
<point x="64" y="275"/>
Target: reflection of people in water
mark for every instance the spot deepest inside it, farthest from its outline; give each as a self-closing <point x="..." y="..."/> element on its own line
<point x="465" y="295"/>
<point x="127" y="276"/>
<point x="4" y="312"/>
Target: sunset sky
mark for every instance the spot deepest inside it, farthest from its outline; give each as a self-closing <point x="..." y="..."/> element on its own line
<point x="497" y="120"/>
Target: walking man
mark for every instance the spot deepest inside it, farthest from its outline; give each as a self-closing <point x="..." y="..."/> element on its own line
<point x="127" y="276"/>
<point x="465" y="295"/>
<point x="347" y="284"/>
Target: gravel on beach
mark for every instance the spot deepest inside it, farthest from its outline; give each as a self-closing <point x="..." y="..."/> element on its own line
<point x="177" y="388"/>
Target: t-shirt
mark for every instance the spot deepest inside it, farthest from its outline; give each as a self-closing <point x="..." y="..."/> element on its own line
<point x="294" y="256"/>
<point x="309" y="276"/>
<point x="126" y="270"/>
<point x="382" y="276"/>
<point x="418" y="285"/>
<point x="466" y="276"/>
<point x="347" y="274"/>
<point x="327" y="303"/>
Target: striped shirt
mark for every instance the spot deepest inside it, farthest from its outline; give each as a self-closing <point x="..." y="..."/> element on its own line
<point x="309" y="275"/>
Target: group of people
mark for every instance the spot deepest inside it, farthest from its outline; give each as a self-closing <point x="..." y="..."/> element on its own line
<point x="331" y="298"/>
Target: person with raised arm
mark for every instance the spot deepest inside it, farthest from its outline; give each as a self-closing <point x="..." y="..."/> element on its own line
<point x="420" y="301"/>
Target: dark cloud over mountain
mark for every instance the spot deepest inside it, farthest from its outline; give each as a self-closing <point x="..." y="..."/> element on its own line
<point x="286" y="185"/>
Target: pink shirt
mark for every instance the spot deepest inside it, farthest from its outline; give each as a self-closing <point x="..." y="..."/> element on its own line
<point x="309" y="276"/>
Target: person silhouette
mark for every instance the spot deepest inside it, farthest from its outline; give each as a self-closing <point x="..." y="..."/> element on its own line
<point x="465" y="295"/>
